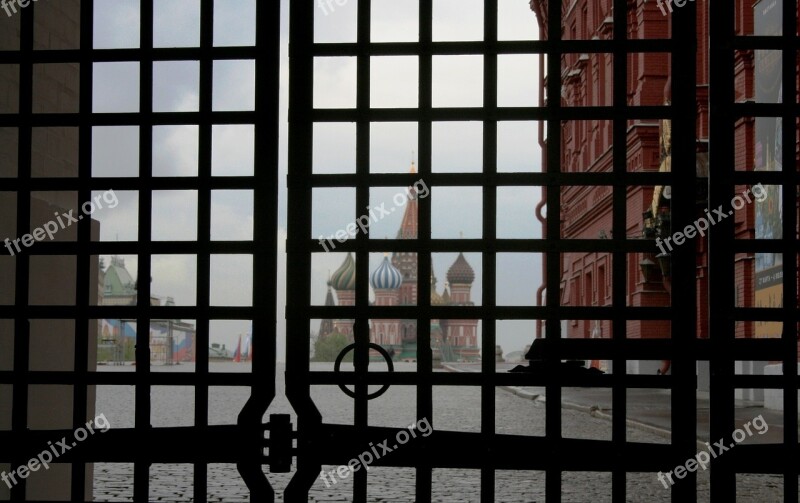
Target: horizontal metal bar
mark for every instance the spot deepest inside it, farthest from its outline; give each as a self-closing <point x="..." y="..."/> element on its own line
<point x="129" y="183"/>
<point x="127" y="119"/>
<point x="451" y="449"/>
<point x="485" y="113"/>
<point x="220" y="444"/>
<point x="155" y="313"/>
<point x="466" y="245"/>
<point x="50" y="248"/>
<point x="490" y="48"/>
<point x="776" y="43"/>
<point x="634" y="178"/>
<point x="751" y="109"/>
<point x="762" y="314"/>
<point x="763" y="177"/>
<point x="758" y="246"/>
<point x="480" y="312"/>
<point x="155" y="378"/>
<point x="129" y="55"/>
<point x="478" y="379"/>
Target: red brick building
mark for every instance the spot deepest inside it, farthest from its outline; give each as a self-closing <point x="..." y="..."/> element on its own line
<point x="586" y="146"/>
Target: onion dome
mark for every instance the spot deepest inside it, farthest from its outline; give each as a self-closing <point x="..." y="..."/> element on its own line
<point x="460" y="272"/>
<point x="386" y="276"/>
<point x="345" y="276"/>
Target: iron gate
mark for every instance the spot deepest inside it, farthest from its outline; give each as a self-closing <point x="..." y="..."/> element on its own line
<point x="319" y="443"/>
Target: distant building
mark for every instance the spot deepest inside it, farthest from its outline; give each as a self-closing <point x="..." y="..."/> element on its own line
<point x="395" y="284"/>
<point x="218" y="353"/>
<point x="171" y="341"/>
<point x="119" y="288"/>
<point x="586" y="146"/>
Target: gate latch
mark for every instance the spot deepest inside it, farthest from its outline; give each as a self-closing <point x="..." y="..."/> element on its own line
<point x="281" y="436"/>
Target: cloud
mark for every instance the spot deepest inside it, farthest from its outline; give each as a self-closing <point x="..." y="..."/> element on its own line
<point x="175" y="276"/>
<point x="115" y="151"/>
<point x="458" y="81"/>
<point x="232" y="215"/>
<point x="176" y="86"/>
<point x="234" y="85"/>
<point x="115" y="223"/>
<point x="235" y="22"/>
<point x="176" y="23"/>
<point x="231" y="280"/>
<point x="335" y="82"/>
<point x="458" y="20"/>
<point x="115" y="87"/>
<point x="116" y="24"/>
<point x="232" y="150"/>
<point x="175" y="150"/>
<point x="175" y="215"/>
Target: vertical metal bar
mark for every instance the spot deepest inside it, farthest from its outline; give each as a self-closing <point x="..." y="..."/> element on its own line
<point x="489" y="265"/>
<point x="553" y="259"/>
<point x="619" y="258"/>
<point x="141" y="472"/>
<point x="298" y="256"/>
<point x="361" y="326"/>
<point x="85" y="264"/>
<point x="203" y="264"/>
<point x="424" y="356"/>
<point x="720" y="243"/>
<point x="82" y="325"/>
<point x="684" y="281"/>
<point x="265" y="239"/>
<point x="19" y="407"/>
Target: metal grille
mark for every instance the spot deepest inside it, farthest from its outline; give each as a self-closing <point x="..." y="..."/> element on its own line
<point x="724" y="349"/>
<point x="142" y="445"/>
<point x="319" y="443"/>
<point x="488" y="451"/>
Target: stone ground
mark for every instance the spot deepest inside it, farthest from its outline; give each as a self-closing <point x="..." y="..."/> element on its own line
<point x="456" y="407"/>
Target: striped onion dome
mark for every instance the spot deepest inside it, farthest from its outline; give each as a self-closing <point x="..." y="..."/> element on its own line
<point x="460" y="273"/>
<point x="386" y="276"/>
<point x="345" y="276"/>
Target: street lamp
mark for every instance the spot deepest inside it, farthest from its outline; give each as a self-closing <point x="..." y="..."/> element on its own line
<point x="649" y="269"/>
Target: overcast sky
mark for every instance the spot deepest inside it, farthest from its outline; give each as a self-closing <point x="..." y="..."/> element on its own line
<point x="457" y="147"/>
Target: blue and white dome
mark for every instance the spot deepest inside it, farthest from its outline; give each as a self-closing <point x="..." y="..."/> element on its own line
<point x="386" y="276"/>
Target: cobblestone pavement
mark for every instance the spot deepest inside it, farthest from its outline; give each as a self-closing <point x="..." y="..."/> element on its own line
<point x="455" y="409"/>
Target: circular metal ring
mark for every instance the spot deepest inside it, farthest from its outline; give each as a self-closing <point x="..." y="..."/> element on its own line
<point x="377" y="348"/>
